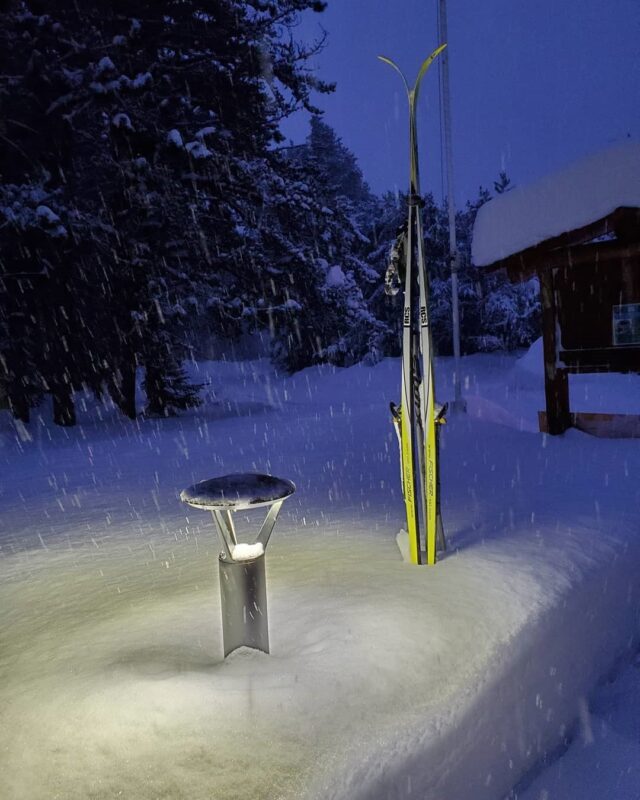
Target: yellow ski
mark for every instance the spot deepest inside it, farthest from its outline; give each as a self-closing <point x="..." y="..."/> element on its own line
<point x="417" y="423"/>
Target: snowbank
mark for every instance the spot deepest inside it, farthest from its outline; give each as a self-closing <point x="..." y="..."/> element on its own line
<point x="586" y="191"/>
<point x="385" y="680"/>
<point x="609" y="393"/>
<point x="533" y="360"/>
<point x="603" y="759"/>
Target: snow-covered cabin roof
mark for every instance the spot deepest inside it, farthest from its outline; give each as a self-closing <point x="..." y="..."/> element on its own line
<point x="587" y="191"/>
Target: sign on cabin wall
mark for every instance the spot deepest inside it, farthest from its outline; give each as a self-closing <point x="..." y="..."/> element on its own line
<point x="597" y="311"/>
<point x="626" y="324"/>
<point x="598" y="305"/>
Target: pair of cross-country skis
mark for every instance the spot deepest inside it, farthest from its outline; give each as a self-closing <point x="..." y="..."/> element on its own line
<point x="417" y="417"/>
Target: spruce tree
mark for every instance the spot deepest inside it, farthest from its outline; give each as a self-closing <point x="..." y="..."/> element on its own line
<point x="152" y="126"/>
<point x="330" y="281"/>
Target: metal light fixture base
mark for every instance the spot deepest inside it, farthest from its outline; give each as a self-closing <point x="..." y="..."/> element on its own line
<point x="243" y="595"/>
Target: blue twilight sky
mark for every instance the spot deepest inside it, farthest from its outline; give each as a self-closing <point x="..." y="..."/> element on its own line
<point x="534" y="85"/>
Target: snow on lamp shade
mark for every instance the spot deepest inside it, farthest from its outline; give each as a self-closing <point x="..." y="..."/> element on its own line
<point x="237" y="491"/>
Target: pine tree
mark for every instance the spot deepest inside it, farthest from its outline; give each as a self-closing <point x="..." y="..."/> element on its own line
<point x="389" y="218"/>
<point x="328" y="317"/>
<point x="152" y="125"/>
<point x="336" y="166"/>
<point x="503" y="184"/>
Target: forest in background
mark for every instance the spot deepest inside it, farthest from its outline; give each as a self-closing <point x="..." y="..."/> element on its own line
<point x="149" y="202"/>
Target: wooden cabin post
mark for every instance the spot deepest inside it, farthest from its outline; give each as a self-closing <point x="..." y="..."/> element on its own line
<point x="556" y="380"/>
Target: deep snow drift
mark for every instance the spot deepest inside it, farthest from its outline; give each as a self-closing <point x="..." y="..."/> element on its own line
<point x="385" y="680"/>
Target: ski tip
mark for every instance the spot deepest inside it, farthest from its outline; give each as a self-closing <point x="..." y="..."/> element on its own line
<point x="436" y="52"/>
<point x="393" y="64"/>
<point x="427" y="63"/>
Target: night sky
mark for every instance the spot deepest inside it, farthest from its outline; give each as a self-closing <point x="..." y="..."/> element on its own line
<point x="534" y="84"/>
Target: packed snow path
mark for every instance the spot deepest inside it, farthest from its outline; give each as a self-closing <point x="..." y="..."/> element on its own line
<point x="385" y="680"/>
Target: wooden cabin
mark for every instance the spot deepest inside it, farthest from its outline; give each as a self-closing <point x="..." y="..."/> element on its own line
<point x="578" y="232"/>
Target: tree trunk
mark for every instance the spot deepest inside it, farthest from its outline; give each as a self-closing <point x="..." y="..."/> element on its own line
<point x="154" y="385"/>
<point x="19" y="406"/>
<point x="122" y="388"/>
<point x="64" y="412"/>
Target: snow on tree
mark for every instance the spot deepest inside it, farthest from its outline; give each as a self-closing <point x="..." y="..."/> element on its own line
<point x="153" y="126"/>
<point x="331" y="319"/>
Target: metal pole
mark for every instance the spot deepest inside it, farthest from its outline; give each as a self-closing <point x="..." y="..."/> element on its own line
<point x="458" y="403"/>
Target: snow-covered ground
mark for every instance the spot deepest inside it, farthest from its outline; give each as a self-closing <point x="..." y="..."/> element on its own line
<point x="385" y="680"/>
<point x="603" y="759"/>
